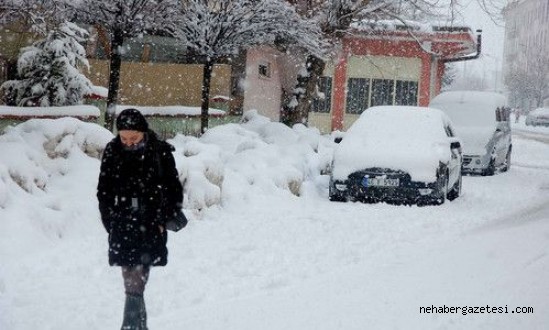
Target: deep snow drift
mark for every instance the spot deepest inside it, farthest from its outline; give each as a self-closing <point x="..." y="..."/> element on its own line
<point x="265" y="249"/>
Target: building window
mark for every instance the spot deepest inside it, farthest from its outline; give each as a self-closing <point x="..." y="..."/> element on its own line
<point x="406" y="92"/>
<point x="323" y="103"/>
<point x="382" y="92"/>
<point x="264" y="70"/>
<point x="358" y="95"/>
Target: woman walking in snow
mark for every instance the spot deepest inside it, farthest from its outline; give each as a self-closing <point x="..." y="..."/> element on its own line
<point x="138" y="188"/>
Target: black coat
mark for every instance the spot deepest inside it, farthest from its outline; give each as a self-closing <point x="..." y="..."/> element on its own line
<point x="136" y="190"/>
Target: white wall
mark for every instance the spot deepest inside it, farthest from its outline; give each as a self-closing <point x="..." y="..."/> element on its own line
<point x="260" y="92"/>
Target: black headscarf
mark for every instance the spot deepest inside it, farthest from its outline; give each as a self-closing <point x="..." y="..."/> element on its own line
<point x="131" y="120"/>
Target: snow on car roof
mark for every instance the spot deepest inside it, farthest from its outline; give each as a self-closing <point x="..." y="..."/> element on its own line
<point x="411" y="139"/>
<point x="470" y="108"/>
<point x="477" y="97"/>
<point x="399" y="123"/>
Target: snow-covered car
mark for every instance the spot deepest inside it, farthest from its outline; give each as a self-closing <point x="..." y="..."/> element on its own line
<point x="538" y="117"/>
<point x="482" y="122"/>
<point x="398" y="154"/>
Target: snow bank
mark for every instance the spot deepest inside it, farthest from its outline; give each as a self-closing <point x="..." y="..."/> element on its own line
<point x="41" y="148"/>
<point x="233" y="162"/>
<point x="229" y="163"/>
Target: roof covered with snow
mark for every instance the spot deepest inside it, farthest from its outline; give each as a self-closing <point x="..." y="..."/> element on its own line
<point x="405" y="25"/>
<point x="447" y="41"/>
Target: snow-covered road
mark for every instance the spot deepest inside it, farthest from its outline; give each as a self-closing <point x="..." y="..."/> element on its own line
<point x="488" y="249"/>
<point x="276" y="261"/>
<point x="529" y="134"/>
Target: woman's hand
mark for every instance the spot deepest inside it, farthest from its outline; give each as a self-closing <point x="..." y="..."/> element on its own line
<point x="161" y="228"/>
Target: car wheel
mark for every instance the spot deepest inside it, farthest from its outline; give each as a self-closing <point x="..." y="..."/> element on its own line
<point x="337" y="198"/>
<point x="443" y="193"/>
<point x="507" y="164"/>
<point x="491" y="169"/>
<point x="456" y="189"/>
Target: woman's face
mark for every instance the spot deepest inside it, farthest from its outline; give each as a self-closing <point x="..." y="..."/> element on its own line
<point x="131" y="138"/>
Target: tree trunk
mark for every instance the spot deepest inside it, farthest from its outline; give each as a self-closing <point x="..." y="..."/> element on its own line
<point x="115" y="59"/>
<point x="300" y="104"/>
<point x="238" y="74"/>
<point x="206" y="81"/>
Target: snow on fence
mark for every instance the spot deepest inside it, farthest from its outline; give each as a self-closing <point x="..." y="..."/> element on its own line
<point x="167" y="121"/>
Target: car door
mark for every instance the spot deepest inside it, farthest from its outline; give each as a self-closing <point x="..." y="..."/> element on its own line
<point x="454" y="166"/>
<point x="502" y="136"/>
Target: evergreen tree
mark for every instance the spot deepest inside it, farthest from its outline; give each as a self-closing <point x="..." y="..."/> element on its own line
<point x="47" y="70"/>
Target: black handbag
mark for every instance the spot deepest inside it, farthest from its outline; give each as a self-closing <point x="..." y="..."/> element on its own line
<point x="176" y="221"/>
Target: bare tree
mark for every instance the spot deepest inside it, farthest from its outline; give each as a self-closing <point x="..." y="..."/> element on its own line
<point x="471" y="81"/>
<point x="450" y="74"/>
<point x="214" y="29"/>
<point x="538" y="77"/>
<point x="38" y="16"/>
<point x="335" y="18"/>
<point x="122" y="19"/>
<point x="516" y="81"/>
<point x="528" y="80"/>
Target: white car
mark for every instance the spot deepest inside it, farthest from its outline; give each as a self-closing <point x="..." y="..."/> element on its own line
<point x="482" y="122"/>
<point x="399" y="154"/>
<point x="538" y="117"/>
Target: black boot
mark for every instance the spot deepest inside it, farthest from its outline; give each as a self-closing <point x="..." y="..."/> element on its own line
<point x="143" y="316"/>
<point x="133" y="311"/>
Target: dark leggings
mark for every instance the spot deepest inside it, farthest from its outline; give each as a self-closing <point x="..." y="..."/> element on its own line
<point x="135" y="278"/>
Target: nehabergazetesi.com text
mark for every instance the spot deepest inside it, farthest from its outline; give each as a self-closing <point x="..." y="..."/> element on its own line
<point x="474" y="310"/>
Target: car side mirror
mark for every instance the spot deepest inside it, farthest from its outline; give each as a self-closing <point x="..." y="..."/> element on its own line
<point x="455" y="145"/>
<point x="338" y="139"/>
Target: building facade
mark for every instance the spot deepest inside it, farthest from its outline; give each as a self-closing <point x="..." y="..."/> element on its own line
<point x="378" y="64"/>
<point x="390" y="65"/>
<point x="526" y="52"/>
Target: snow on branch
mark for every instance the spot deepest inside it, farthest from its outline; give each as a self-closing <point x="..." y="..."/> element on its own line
<point x="215" y="28"/>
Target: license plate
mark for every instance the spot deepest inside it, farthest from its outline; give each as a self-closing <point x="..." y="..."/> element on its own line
<point x="380" y="182"/>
